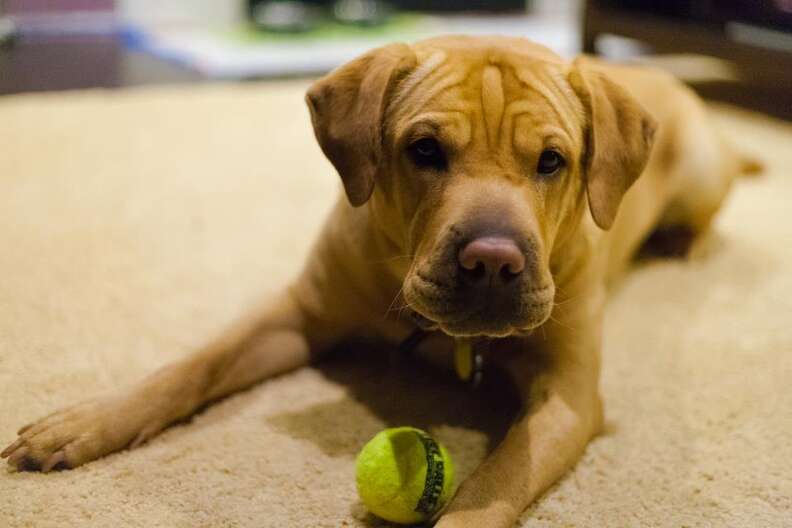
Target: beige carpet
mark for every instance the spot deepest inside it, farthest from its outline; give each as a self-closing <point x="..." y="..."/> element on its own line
<point x="134" y="225"/>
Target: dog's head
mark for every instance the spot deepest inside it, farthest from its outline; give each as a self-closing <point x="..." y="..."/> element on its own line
<point x="477" y="158"/>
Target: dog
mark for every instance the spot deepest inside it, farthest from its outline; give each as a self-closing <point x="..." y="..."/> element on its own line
<point x="495" y="190"/>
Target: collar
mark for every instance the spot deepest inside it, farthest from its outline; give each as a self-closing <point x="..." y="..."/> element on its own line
<point x="468" y="354"/>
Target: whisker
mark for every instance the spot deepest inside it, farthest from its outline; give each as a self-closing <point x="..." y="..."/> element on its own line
<point x="559" y="323"/>
<point x="389" y="259"/>
<point x="565" y="301"/>
<point x="395" y="298"/>
<point x="398" y="307"/>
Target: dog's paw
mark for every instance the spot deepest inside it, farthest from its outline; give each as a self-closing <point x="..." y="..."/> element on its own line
<point x="73" y="436"/>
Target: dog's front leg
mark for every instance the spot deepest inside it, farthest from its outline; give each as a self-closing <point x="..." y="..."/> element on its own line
<point x="305" y="321"/>
<point x="270" y="342"/>
<point x="562" y="413"/>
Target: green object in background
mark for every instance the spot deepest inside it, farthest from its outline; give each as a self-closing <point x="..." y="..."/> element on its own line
<point x="401" y="26"/>
<point x="285" y="16"/>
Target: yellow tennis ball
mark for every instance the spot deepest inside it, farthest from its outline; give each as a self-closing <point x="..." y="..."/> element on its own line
<point x="404" y="475"/>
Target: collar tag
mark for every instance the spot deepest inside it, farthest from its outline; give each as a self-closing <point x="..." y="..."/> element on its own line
<point x="468" y="361"/>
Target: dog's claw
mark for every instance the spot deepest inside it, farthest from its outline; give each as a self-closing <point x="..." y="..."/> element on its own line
<point x="139" y="439"/>
<point x="28" y="463"/>
<point x="13" y="447"/>
<point x="8" y="450"/>
<point x="15" y="458"/>
<point x="24" y="428"/>
<point x="58" y="458"/>
<point x="75" y="435"/>
<point x="144" y="435"/>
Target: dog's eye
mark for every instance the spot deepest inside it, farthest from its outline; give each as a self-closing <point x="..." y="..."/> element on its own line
<point x="427" y="153"/>
<point x="550" y="162"/>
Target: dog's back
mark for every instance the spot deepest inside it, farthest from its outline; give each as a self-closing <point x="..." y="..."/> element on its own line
<point x="689" y="173"/>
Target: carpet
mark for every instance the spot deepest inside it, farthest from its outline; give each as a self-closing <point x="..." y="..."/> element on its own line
<point x="135" y="225"/>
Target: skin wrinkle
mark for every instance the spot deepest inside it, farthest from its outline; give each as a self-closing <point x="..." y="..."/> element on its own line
<point x="437" y="122"/>
<point x="421" y="101"/>
<point x="492" y="103"/>
<point x="573" y="102"/>
<point x="451" y="82"/>
<point x="428" y="70"/>
<point x="548" y="226"/>
<point x="424" y="70"/>
<point x="445" y="125"/>
<point x="536" y="84"/>
<point x="525" y="107"/>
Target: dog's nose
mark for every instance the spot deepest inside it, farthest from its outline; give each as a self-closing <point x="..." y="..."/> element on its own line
<point x="491" y="259"/>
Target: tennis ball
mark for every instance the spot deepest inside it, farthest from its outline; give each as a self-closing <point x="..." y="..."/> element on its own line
<point x="404" y="475"/>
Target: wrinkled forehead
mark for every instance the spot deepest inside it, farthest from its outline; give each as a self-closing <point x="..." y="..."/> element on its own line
<point x="501" y="91"/>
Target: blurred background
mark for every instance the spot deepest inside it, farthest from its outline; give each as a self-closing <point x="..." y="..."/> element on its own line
<point x="733" y="50"/>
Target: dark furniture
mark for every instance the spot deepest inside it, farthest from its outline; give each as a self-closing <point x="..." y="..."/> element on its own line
<point x="755" y="35"/>
<point x="66" y="63"/>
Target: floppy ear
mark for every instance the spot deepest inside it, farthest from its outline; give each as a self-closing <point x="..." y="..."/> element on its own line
<point x="347" y="109"/>
<point x="619" y="137"/>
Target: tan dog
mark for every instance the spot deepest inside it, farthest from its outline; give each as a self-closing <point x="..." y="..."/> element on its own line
<point x="498" y="169"/>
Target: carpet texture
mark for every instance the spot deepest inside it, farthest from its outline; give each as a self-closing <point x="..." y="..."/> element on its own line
<point x="135" y="225"/>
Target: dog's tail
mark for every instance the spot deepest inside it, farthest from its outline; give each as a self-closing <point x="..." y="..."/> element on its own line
<point x="750" y="167"/>
<point x="737" y="162"/>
